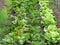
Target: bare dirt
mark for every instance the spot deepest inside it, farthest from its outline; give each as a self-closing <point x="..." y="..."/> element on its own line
<point x="57" y="13"/>
<point x="58" y="1"/>
<point x="2" y="3"/>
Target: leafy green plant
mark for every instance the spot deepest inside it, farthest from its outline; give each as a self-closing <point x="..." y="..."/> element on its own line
<point x="32" y="22"/>
<point x="3" y="16"/>
<point x="52" y="34"/>
<point x="46" y="14"/>
<point x="22" y="27"/>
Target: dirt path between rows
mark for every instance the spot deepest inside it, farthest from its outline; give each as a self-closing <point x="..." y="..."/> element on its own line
<point x="2" y="3"/>
<point x="57" y="13"/>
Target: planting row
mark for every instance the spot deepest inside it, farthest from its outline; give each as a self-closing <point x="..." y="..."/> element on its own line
<point x="31" y="22"/>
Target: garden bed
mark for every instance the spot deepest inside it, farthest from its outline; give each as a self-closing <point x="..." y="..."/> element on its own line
<point x="33" y="23"/>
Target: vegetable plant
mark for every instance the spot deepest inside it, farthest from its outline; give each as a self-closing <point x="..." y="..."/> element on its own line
<point x="31" y="22"/>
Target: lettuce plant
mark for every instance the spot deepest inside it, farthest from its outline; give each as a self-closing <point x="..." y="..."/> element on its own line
<point x="32" y="22"/>
<point x="52" y="34"/>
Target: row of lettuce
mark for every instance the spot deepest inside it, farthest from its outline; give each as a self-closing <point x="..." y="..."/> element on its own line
<point x="31" y="22"/>
<point x="51" y="32"/>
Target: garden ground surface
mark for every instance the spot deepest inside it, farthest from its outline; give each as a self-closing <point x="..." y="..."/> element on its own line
<point x="2" y="3"/>
<point x="57" y="13"/>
